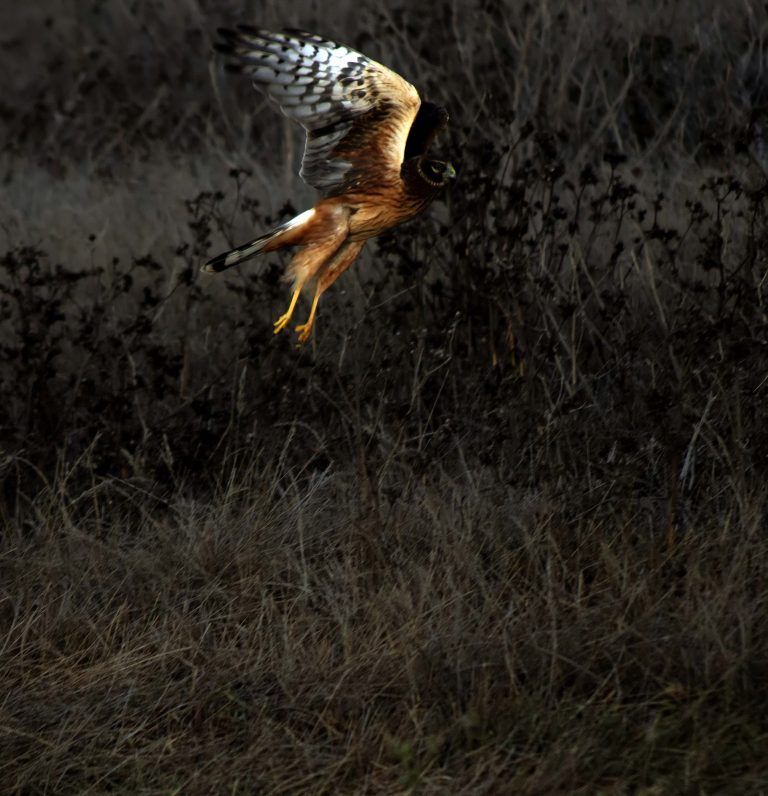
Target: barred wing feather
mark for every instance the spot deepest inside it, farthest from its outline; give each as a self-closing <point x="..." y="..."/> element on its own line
<point x="357" y="113"/>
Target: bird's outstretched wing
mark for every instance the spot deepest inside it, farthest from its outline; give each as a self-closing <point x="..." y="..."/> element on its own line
<point x="357" y="113"/>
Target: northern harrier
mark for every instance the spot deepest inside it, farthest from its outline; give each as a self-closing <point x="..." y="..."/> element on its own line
<point x="367" y="137"/>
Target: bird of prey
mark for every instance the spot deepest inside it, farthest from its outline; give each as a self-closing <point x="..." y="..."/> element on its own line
<point x="367" y="136"/>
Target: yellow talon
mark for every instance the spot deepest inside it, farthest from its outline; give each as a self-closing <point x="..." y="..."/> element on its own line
<point x="282" y="322"/>
<point x="304" y="329"/>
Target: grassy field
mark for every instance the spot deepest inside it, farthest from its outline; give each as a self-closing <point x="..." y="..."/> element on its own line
<point x="500" y="527"/>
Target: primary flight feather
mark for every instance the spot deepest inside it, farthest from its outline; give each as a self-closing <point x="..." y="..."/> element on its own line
<point x="368" y="133"/>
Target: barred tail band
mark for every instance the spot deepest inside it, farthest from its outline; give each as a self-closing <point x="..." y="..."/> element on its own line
<point x="226" y="260"/>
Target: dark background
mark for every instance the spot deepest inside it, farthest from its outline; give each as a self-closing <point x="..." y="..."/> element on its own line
<point x="500" y="522"/>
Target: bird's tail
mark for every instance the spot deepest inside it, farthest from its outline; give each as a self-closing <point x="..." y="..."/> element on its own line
<point x="274" y="239"/>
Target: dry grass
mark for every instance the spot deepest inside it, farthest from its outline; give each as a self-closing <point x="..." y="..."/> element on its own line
<point x="499" y="529"/>
<point x="462" y="638"/>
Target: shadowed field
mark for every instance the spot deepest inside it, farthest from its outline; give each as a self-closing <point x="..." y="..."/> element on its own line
<point x="499" y="527"/>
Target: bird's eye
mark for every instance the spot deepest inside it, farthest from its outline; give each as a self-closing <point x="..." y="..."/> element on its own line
<point x="434" y="170"/>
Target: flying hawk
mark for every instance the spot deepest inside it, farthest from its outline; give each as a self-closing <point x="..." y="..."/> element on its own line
<point x="368" y="133"/>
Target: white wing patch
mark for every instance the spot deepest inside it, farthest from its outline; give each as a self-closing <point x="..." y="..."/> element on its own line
<point x="300" y="219"/>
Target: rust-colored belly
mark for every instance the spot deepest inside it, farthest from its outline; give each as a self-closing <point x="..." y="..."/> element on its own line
<point x="374" y="213"/>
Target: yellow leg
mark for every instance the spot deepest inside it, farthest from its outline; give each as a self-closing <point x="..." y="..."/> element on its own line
<point x="305" y="329"/>
<point x="282" y="321"/>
